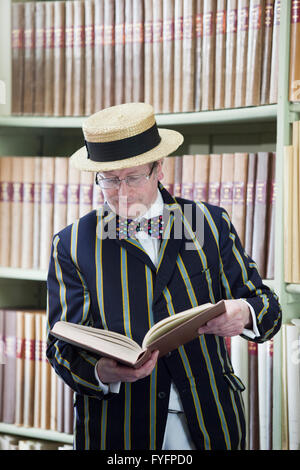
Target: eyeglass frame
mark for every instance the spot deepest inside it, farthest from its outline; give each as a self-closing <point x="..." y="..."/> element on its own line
<point x="119" y="181"/>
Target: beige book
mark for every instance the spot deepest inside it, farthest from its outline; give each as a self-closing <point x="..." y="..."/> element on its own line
<point x="137" y="51"/>
<point x="86" y="192"/>
<point x="294" y="86"/>
<point x="53" y="400"/>
<point x="169" y="174"/>
<point x="28" y="213"/>
<point x="68" y="409"/>
<point x="60" y="194"/>
<point x="69" y="62"/>
<point x="166" y="335"/>
<point x="231" y="44"/>
<point x="59" y="58"/>
<point x="29" y="369"/>
<point x="240" y="194"/>
<point x="267" y="51"/>
<point x="99" y="55"/>
<point x="201" y="177"/>
<point x="17" y="52"/>
<point x="168" y="55"/>
<point x="177" y="175"/>
<point x="5" y="209"/>
<point x="241" y="52"/>
<point x="120" y="57"/>
<point x="73" y="193"/>
<point x="45" y="383"/>
<point x="158" y="87"/>
<point x="39" y="335"/>
<point x="20" y="360"/>
<point x="214" y="185"/>
<point x="47" y="204"/>
<point x="226" y="190"/>
<point x="37" y="212"/>
<point x="208" y="56"/>
<point x="16" y="212"/>
<point x="29" y="34"/>
<point x="188" y="56"/>
<point x="198" y="53"/>
<point x="220" y="57"/>
<point x="187" y="182"/>
<point x="109" y="54"/>
<point x="148" y="58"/>
<point x="178" y="73"/>
<point x="79" y="59"/>
<point x="39" y="65"/>
<point x="89" y="11"/>
<point x="49" y="59"/>
<point x="275" y="54"/>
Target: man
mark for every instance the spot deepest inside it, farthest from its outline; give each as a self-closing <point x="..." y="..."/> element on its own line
<point x="111" y="275"/>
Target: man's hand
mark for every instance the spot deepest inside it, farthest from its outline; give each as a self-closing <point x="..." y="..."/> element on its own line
<point x="232" y="322"/>
<point x="110" y="371"/>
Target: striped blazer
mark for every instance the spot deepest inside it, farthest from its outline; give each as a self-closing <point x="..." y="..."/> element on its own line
<point x="111" y="283"/>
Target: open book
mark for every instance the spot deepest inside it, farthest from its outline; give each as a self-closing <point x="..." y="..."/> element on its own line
<point x="165" y="336"/>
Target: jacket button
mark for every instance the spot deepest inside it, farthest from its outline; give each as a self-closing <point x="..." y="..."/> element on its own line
<point x="161" y="395"/>
<point x="168" y="354"/>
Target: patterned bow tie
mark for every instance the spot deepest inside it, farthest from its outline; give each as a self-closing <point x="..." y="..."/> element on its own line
<point x="128" y="228"/>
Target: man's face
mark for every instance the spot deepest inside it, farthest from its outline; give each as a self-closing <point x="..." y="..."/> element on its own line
<point x="129" y="201"/>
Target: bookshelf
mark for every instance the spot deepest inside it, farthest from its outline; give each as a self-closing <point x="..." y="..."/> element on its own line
<point x="265" y="127"/>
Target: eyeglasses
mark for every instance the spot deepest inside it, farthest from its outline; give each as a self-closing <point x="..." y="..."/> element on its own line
<point x="133" y="181"/>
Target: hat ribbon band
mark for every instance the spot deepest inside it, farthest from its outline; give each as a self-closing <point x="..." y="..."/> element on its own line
<point x="123" y="148"/>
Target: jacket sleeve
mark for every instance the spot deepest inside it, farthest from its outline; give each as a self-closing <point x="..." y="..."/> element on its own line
<point x="69" y="300"/>
<point x="240" y="279"/>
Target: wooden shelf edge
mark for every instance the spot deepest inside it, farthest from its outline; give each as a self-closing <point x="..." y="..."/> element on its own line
<point x="36" y="433"/>
<point x="293" y="288"/>
<point x="25" y="274"/>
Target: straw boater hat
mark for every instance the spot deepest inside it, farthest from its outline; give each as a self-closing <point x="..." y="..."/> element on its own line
<point x="123" y="136"/>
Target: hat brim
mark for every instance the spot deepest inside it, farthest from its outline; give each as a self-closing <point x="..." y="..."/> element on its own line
<point x="170" y="141"/>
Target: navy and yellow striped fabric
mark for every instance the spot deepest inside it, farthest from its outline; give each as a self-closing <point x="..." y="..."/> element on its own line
<point x="112" y="284"/>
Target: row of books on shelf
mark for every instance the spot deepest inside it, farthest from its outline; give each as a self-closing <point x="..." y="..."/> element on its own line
<point x="253" y="363"/>
<point x="31" y="394"/>
<point x="74" y="58"/>
<point x="292" y="207"/>
<point x="12" y="442"/>
<point x="41" y="195"/>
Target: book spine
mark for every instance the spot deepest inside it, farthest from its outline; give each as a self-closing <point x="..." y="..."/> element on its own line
<point x="79" y="59"/>
<point x="158" y="88"/>
<point x="6" y="178"/>
<point x="49" y="59"/>
<point x="188" y="56"/>
<point x="226" y="190"/>
<point x="220" y="57"/>
<point x="36" y="212"/>
<point x="254" y="58"/>
<point x="198" y="53"/>
<point x="296" y="203"/>
<point x="239" y="194"/>
<point x="128" y="51"/>
<point x="231" y="45"/>
<point x="253" y="397"/>
<point x="89" y="34"/>
<point x="168" y="56"/>
<point x="20" y="358"/>
<point x="9" y="379"/>
<point x="109" y="58"/>
<point x="39" y="67"/>
<point x="271" y="222"/>
<point x="294" y="91"/>
<point x="168" y="171"/>
<point x="148" y="43"/>
<point x="99" y="55"/>
<point x="187" y="182"/>
<point x="17" y="211"/>
<point x="177" y="176"/>
<point x="288" y="218"/>
<point x="60" y="194"/>
<point x="29" y="36"/>
<point x="37" y="370"/>
<point x="275" y="51"/>
<point x="86" y="192"/>
<point x="119" y="51"/>
<point x="201" y="178"/>
<point x="250" y="198"/>
<point x="28" y="212"/>
<point x="17" y="40"/>
<point x="208" y="57"/>
<point x="73" y="194"/>
<point x="215" y="166"/>
<point x="267" y="51"/>
<point x="59" y="59"/>
<point x="47" y="203"/>
<point x="138" y="51"/>
<point x="29" y="328"/>
<point x="241" y="53"/>
<point x="178" y="57"/>
<point x="69" y="63"/>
